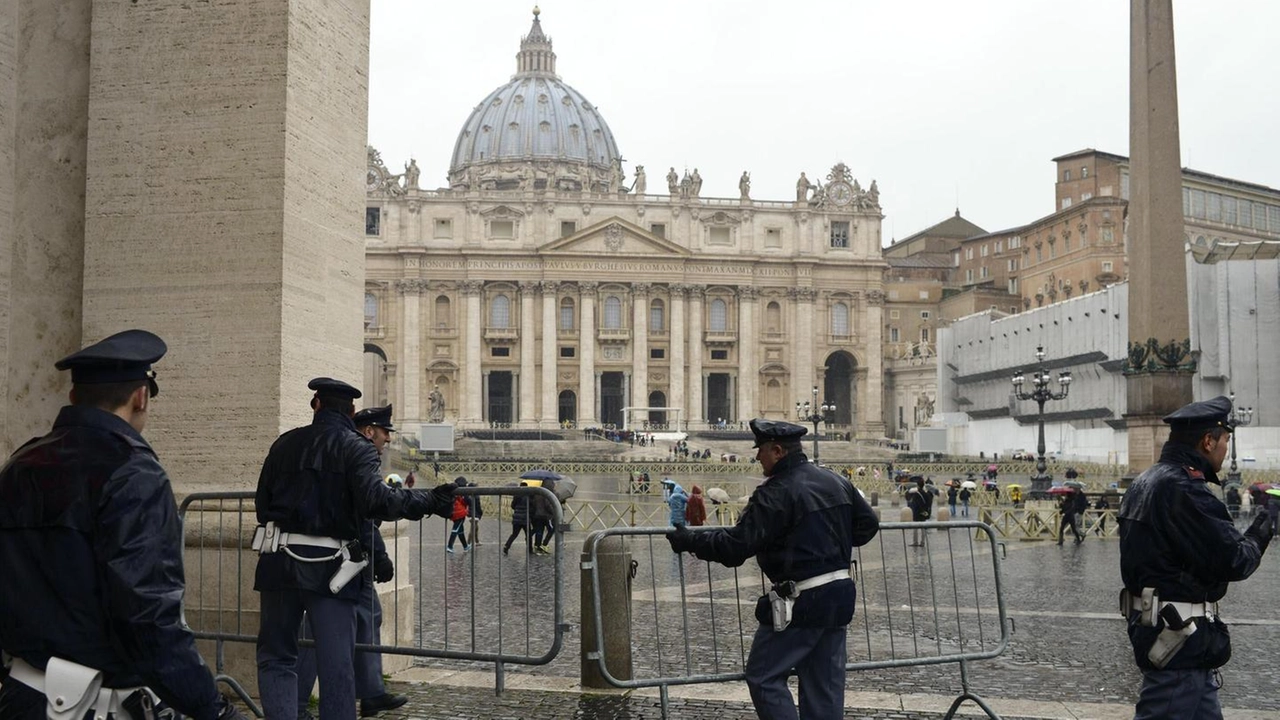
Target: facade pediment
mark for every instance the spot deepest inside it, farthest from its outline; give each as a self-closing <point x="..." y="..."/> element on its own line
<point x="613" y="236"/>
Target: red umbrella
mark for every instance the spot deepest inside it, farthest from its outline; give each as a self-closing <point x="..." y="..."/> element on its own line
<point x="1061" y="490"/>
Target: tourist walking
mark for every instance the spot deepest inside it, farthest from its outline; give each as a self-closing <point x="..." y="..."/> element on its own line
<point x="920" y="500"/>
<point x="695" y="513"/>
<point x="519" y="522"/>
<point x="458" y="516"/>
<point x="677" y="500"/>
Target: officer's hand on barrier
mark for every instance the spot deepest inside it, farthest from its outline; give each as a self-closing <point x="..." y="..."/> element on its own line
<point x="1260" y="530"/>
<point x="228" y="711"/>
<point x="442" y="500"/>
<point x="383" y="569"/>
<point x="681" y="539"/>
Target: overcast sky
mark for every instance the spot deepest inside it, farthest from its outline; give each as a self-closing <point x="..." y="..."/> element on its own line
<point x="943" y="102"/>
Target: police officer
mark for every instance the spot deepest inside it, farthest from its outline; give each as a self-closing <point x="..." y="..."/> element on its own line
<point x="91" y="547"/>
<point x="319" y="486"/>
<point x="1178" y="551"/>
<point x="375" y="425"/>
<point x="801" y="524"/>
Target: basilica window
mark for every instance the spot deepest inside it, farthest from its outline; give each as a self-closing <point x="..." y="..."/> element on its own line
<point x="444" y="229"/>
<point x="444" y="312"/>
<point x="893" y="334"/>
<point x="502" y="229"/>
<point x="773" y="237"/>
<point x="773" y="317"/>
<point x="612" y="312"/>
<point x="370" y="310"/>
<point x="657" y="317"/>
<point x="719" y="316"/>
<point x="566" y="351"/>
<point x="659" y="229"/>
<point x="840" y="233"/>
<point x="924" y="334"/>
<point x="567" y="228"/>
<point x="372" y="221"/>
<point x="500" y="312"/>
<point x="840" y="319"/>
<point x="566" y="314"/>
<point x="657" y="353"/>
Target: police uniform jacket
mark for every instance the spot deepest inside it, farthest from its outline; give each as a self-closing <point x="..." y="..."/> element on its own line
<point x="91" y="547"/>
<point x="1176" y="537"/>
<point x="803" y="521"/>
<point x="324" y="479"/>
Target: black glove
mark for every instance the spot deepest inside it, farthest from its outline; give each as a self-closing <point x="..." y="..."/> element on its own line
<point x="681" y="539"/>
<point x="441" y="497"/>
<point x="228" y="711"/>
<point x="383" y="568"/>
<point x="1260" y="529"/>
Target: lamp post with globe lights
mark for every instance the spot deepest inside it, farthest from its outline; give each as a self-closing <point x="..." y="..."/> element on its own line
<point x="1041" y="394"/>
<point x="1239" y="418"/>
<point x="814" y="413"/>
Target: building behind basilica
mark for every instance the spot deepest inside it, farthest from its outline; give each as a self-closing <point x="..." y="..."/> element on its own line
<point x="543" y="288"/>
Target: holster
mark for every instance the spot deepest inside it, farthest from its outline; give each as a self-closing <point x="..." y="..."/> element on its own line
<point x="266" y="538"/>
<point x="781" y="609"/>
<point x="1171" y="638"/>
<point x="353" y="561"/>
<point x="71" y="689"/>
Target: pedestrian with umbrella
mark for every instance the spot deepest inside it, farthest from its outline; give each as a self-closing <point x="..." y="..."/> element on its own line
<point x="519" y="521"/>
<point x="966" y="492"/>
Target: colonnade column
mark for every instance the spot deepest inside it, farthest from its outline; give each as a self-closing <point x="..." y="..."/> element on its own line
<point x="748" y="345"/>
<point x="677" y="399"/>
<point x="872" y="425"/>
<point x="640" y="344"/>
<point x="411" y="350"/>
<point x="550" y="398"/>
<point x="472" y="361"/>
<point x="528" y="350"/>
<point x="587" y="348"/>
<point x="696" y="293"/>
<point x="802" y="375"/>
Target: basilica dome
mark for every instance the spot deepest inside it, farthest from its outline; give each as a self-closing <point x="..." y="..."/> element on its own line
<point x="534" y="131"/>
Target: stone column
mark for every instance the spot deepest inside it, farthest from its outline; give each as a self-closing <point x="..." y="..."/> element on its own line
<point x="677" y="344"/>
<point x="748" y="345"/>
<point x="871" y="424"/>
<point x="696" y="381"/>
<point x="550" y="398"/>
<point x="640" y="344"/>
<point x="484" y="396"/>
<point x="1158" y="374"/>
<point x="472" y="400"/>
<point x="587" y="348"/>
<point x="528" y="350"/>
<point x="802" y="375"/>
<point x="410" y="411"/>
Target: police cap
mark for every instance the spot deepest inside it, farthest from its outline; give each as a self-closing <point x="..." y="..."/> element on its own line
<point x="333" y="388"/>
<point x="775" y="431"/>
<point x="1202" y="416"/>
<point x="375" y="416"/>
<point x="120" y="358"/>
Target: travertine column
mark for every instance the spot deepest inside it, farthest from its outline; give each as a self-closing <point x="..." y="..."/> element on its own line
<point x="587" y="348"/>
<point x="410" y="412"/>
<point x="696" y="293"/>
<point x="748" y="344"/>
<point x="472" y="394"/>
<point x="528" y="350"/>
<point x="677" y="344"/>
<point x="871" y="421"/>
<point x="640" y="344"/>
<point x="550" y="398"/>
<point x="1157" y="261"/>
<point x="802" y="374"/>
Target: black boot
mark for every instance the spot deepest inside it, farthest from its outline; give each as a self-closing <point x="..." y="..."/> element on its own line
<point x="385" y="701"/>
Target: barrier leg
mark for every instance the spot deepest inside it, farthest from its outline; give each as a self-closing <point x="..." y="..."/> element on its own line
<point x="609" y="619"/>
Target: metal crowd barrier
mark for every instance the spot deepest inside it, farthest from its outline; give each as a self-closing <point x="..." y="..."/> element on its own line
<point x="938" y="604"/>
<point x="448" y="606"/>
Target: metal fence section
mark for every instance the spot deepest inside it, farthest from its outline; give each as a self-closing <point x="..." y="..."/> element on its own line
<point x="503" y="610"/>
<point x="691" y="621"/>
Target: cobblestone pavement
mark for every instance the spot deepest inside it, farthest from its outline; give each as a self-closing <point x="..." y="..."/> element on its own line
<point x="1068" y="656"/>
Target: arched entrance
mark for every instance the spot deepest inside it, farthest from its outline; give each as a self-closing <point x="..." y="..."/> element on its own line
<point x="568" y="408"/>
<point x="375" y="375"/>
<point x="657" y="418"/>
<point x="838" y="386"/>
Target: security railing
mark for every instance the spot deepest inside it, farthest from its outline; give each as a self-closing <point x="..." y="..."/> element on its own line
<point x="690" y="621"/>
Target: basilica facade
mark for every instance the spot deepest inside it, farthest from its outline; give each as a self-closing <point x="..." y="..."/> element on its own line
<point x="543" y="288"/>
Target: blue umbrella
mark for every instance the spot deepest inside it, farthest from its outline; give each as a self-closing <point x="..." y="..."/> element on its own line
<point x="540" y="474"/>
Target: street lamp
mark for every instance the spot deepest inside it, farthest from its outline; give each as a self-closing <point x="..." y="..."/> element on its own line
<point x="814" y="413"/>
<point x="1239" y="417"/>
<point x="1041" y="394"/>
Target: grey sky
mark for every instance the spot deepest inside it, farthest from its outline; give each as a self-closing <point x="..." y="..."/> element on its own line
<point x="935" y="99"/>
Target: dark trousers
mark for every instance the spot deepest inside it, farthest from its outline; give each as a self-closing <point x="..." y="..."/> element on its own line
<point x="334" y="622"/>
<point x="515" y="530"/>
<point x="20" y="702"/>
<point x="368" y="665"/>
<point x="818" y="656"/>
<point x="1178" y="694"/>
<point x="459" y="531"/>
<point x="1069" y="518"/>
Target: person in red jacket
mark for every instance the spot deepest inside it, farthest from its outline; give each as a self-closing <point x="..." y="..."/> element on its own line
<point x="696" y="512"/>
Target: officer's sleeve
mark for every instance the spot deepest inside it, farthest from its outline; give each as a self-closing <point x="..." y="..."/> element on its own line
<point x="377" y="500"/>
<point x="139" y="547"/>
<point x="865" y="522"/>
<point x="1207" y="538"/>
<point x="761" y="520"/>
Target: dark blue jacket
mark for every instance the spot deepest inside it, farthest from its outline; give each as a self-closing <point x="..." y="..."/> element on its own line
<point x="91" y="548"/>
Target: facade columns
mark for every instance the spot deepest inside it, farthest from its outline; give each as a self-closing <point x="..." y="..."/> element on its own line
<point x="639" y="344"/>
<point x="677" y="344"/>
<point x="696" y="382"/>
<point x="802" y="375"/>
<point x="528" y="350"/>
<point x="872" y="424"/>
<point x="587" y="383"/>
<point x="484" y="396"/>
<point x="410" y="291"/>
<point x="748" y="370"/>
<point x="550" y="398"/>
<point x="472" y="405"/>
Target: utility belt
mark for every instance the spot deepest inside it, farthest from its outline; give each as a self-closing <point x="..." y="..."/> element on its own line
<point x="268" y="539"/>
<point x="72" y="690"/>
<point x="782" y="596"/>
<point x="1178" y="618"/>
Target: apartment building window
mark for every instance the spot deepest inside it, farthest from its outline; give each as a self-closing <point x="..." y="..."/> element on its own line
<point x="924" y="314"/>
<point x="1107" y="266"/>
<point x="985" y="248"/>
<point x="1066" y="203"/>
<point x="957" y="259"/>
<point x="567" y="228"/>
<point x="1229" y="210"/>
<point x="924" y="294"/>
<point x="893" y="334"/>
<point x="840" y="233"/>
<point x="1213" y="207"/>
<point x="999" y="246"/>
<point x="968" y="253"/>
<point x="1013" y="286"/>
<point x="1085" y="196"/>
<point x="1039" y="255"/>
<point x="894" y="314"/>
<point x="924" y="334"/>
<point x="1197" y="203"/>
<point x="1013" y="309"/>
<point x="984" y="274"/>
<point x="1108" y="235"/>
<point x="968" y="275"/>
<point x="1066" y="176"/>
<point x="1084" y="172"/>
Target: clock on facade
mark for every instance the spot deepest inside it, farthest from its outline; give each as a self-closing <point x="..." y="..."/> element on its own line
<point x="840" y="192"/>
<point x="373" y="179"/>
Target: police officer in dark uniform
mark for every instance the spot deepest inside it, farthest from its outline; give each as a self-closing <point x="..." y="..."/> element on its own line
<point x="91" y="547"/>
<point x="319" y="486"/>
<point x="1178" y="551"/>
<point x="801" y="524"/>
<point x="376" y="426"/>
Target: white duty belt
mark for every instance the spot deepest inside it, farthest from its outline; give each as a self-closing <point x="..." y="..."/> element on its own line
<point x="72" y="690"/>
<point x="820" y="580"/>
<point x="269" y="538"/>
<point x="1185" y="609"/>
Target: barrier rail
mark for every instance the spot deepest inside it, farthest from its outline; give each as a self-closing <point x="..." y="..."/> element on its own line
<point x="435" y="595"/>
<point x="921" y="606"/>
